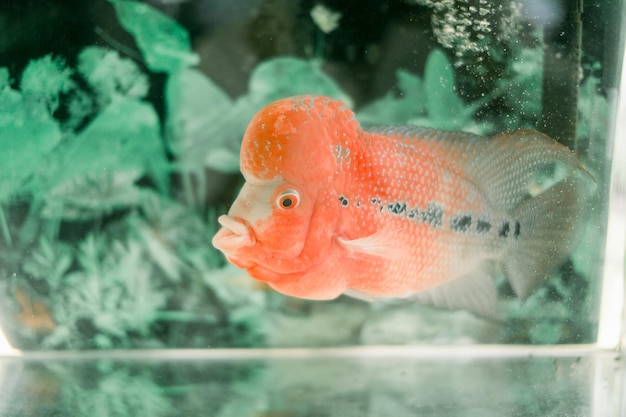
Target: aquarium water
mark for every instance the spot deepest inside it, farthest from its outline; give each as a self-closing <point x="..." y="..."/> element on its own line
<point x="120" y="128"/>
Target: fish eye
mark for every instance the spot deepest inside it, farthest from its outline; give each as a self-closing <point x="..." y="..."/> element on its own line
<point x="288" y="199"/>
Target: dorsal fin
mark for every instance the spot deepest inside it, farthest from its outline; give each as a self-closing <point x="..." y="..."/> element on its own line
<point x="510" y="164"/>
<point x="502" y="166"/>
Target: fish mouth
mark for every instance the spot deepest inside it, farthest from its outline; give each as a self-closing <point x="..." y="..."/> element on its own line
<point x="234" y="234"/>
<point x="235" y="239"/>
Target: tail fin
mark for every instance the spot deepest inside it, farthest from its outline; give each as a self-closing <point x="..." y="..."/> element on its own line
<point x="551" y="224"/>
<point x="551" y="213"/>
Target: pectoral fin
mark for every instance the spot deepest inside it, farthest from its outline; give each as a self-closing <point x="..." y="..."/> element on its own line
<point x="381" y="243"/>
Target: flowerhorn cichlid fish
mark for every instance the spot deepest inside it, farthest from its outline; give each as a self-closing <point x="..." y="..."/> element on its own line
<point x="328" y="208"/>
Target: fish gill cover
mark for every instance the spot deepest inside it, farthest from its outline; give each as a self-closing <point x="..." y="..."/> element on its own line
<point x="107" y="204"/>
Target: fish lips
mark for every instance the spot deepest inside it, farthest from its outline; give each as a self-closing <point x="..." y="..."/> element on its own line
<point x="234" y="235"/>
<point x="237" y="240"/>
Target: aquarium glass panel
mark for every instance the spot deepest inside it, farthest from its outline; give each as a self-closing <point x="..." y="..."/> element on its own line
<point x="121" y="125"/>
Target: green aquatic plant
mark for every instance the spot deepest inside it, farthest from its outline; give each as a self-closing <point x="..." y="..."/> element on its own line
<point x="103" y="305"/>
<point x="520" y="89"/>
<point x="431" y="102"/>
<point x="111" y="76"/>
<point x="28" y="132"/>
<point x="592" y="108"/>
<point x="49" y="264"/>
<point x="165" y="45"/>
<point x="396" y="110"/>
<point x="45" y="79"/>
<point x="92" y="196"/>
<point x="592" y="128"/>
<point x="104" y="252"/>
<point x="105" y="148"/>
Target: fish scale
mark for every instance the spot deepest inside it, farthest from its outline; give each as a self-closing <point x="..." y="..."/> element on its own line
<point x="421" y="266"/>
<point x="397" y="212"/>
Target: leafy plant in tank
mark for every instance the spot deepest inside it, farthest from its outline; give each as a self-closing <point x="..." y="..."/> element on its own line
<point x="431" y="102"/>
<point x="93" y="236"/>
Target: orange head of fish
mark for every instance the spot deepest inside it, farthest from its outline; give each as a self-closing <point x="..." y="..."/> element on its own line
<point x="282" y="224"/>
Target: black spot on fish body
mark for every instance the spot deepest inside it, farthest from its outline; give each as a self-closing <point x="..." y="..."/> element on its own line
<point x="343" y="200"/>
<point x="517" y="230"/>
<point x="504" y="230"/>
<point x="433" y="214"/>
<point x="461" y="223"/>
<point x="397" y="208"/>
<point x="483" y="226"/>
